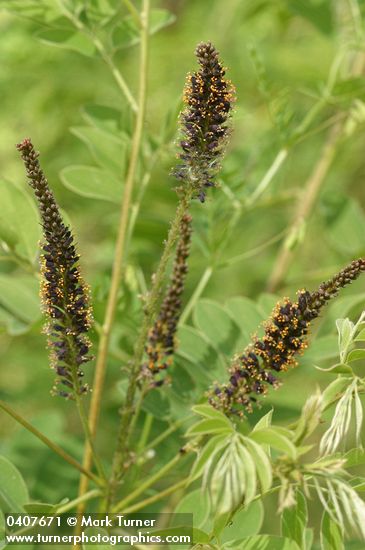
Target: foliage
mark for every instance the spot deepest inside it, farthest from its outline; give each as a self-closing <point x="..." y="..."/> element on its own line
<point x="230" y="463"/>
<point x="287" y="213"/>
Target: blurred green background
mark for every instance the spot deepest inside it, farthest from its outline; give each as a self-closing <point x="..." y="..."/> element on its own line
<point x="292" y="63"/>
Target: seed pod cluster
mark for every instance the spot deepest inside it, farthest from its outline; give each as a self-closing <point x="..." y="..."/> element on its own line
<point x="285" y="337"/>
<point x="209" y="99"/>
<point x="161" y="342"/>
<point x="64" y="294"/>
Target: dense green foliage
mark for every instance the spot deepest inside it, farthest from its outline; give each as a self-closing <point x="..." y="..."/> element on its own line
<point x="287" y="214"/>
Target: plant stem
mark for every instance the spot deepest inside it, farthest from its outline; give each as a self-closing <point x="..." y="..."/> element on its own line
<point x="123" y="86"/>
<point x="160" y="495"/>
<point x="268" y="177"/>
<point x="175" y="426"/>
<point x="53" y="446"/>
<point x="313" y="185"/>
<point x="305" y="205"/>
<point x="119" y="247"/>
<point x="147" y="425"/>
<point x="88" y="436"/>
<point x="297" y="135"/>
<point x="150" y="309"/>
<point x="133" y="11"/>
<point x="135" y="207"/>
<point x="205" y="278"/>
<point x="254" y="251"/>
<point x="150" y="481"/>
<point x="118" y="77"/>
<point x="73" y="503"/>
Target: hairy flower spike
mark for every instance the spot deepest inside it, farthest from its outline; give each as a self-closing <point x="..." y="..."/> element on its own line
<point x="209" y="98"/>
<point x="161" y="342"/>
<point x="285" y="337"/>
<point x="64" y="293"/>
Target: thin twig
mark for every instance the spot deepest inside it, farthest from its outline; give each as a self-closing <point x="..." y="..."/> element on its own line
<point x="118" y="77"/>
<point x="171" y="429"/>
<point x="145" y="432"/>
<point x="208" y="272"/>
<point x="298" y="134"/>
<point x="53" y="446"/>
<point x="311" y="190"/>
<point x="253" y="251"/>
<point x="133" y="11"/>
<point x="88" y="436"/>
<point x="268" y="177"/>
<point x="305" y="205"/>
<point x="148" y="483"/>
<point x="155" y="498"/>
<point x="314" y="183"/>
<point x="73" y="503"/>
<point x="204" y="280"/>
<point x="122" y="85"/>
<point x="119" y="248"/>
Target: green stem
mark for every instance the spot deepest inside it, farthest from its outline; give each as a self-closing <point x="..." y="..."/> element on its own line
<point x="150" y="481"/>
<point x="137" y="409"/>
<point x="55" y="448"/>
<point x="151" y="305"/>
<point x="205" y="278"/>
<point x="171" y="429"/>
<point x="155" y="498"/>
<point x="254" y="251"/>
<point x="311" y="115"/>
<point x="88" y="436"/>
<point x="77" y="395"/>
<point x="116" y="73"/>
<point x="304" y="206"/>
<point x="122" y="85"/>
<point x="73" y="503"/>
<point x="135" y="207"/>
<point x="133" y="11"/>
<point x="357" y="19"/>
<point x="145" y="432"/>
<point x="121" y="244"/>
<point x="268" y="177"/>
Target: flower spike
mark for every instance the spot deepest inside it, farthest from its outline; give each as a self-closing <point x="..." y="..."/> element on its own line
<point x="63" y="291"/>
<point x="209" y="99"/>
<point x="251" y="373"/>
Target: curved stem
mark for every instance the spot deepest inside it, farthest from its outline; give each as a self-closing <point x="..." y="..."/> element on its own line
<point x="314" y="183"/>
<point x="253" y="251"/>
<point x="53" y="446"/>
<point x="145" y="432"/>
<point x="158" y="496"/>
<point x="73" y="503"/>
<point x="171" y="429"/>
<point x="133" y="11"/>
<point x="305" y="206"/>
<point x="268" y="177"/>
<point x="122" y="85"/>
<point x="205" y="278"/>
<point x="119" y="247"/>
<point x="88" y="436"/>
<point x="150" y="481"/>
<point x="118" y="77"/>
